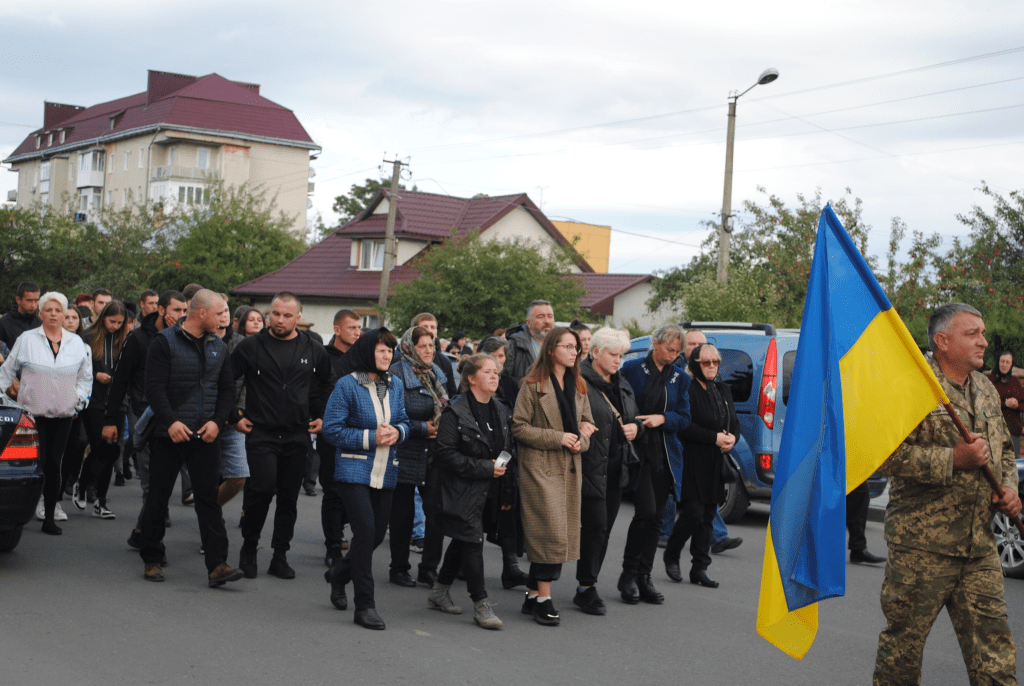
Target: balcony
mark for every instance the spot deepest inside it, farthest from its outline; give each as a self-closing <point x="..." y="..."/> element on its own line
<point x="173" y="171"/>
<point x="12" y="196"/>
<point x="309" y="187"/>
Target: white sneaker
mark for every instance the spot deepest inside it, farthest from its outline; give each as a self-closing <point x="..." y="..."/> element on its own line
<point x="101" y="511"/>
<point x="78" y="497"/>
<point x="41" y="510"/>
<point x="58" y="514"/>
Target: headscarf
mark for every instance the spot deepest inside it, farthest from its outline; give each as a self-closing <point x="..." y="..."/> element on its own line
<point x="997" y="375"/>
<point x="362" y="352"/>
<point x="717" y="401"/>
<point x="424" y="372"/>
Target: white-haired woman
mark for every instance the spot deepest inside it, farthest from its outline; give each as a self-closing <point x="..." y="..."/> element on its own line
<point x="605" y="471"/>
<point x="55" y="368"/>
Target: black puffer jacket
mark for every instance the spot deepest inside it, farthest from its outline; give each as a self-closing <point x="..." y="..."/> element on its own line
<point x="463" y="457"/>
<point x="597" y="462"/>
<point x="415" y="451"/>
<point x="519" y="357"/>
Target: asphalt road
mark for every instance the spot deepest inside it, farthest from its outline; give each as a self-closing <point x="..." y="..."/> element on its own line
<point x="76" y="610"/>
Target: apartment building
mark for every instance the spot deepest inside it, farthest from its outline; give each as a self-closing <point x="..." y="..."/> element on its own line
<point x="169" y="143"/>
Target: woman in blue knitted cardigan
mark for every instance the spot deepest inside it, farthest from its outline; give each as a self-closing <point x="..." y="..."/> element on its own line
<point x="365" y="419"/>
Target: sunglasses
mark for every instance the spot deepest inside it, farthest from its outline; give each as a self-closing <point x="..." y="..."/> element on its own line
<point x="710" y="363"/>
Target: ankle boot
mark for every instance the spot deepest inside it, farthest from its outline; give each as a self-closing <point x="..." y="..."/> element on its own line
<point x="440" y="598"/>
<point x="628" y="588"/>
<point x="484" y="615"/>
<point x="648" y="593"/>
<point x="511" y="574"/>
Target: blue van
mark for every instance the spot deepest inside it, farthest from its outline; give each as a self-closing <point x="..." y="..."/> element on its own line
<point x="757" y="363"/>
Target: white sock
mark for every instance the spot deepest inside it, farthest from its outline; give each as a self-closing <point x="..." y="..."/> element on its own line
<point x="542" y="598"/>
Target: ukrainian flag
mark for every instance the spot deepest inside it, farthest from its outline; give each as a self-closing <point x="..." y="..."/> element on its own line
<point x="860" y="386"/>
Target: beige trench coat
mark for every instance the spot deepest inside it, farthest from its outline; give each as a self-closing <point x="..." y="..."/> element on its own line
<point x="550" y="475"/>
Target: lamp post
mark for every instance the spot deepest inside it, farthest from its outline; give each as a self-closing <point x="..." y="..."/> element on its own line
<point x="725" y="229"/>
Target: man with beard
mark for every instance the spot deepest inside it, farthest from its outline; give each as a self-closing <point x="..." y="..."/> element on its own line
<point x="130" y="379"/>
<point x="284" y="370"/>
<point x="524" y="340"/>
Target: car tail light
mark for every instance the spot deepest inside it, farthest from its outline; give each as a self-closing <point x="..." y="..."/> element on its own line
<point x="765" y="460"/>
<point x="24" y="444"/>
<point x="766" y="402"/>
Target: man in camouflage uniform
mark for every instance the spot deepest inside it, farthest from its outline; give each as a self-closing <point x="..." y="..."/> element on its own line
<point x="939" y="520"/>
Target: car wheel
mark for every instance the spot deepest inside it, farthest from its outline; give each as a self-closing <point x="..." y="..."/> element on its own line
<point x="736" y="499"/>
<point x="1010" y="545"/>
<point x="9" y="539"/>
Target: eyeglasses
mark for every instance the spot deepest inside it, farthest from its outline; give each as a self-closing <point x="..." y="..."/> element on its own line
<point x="710" y="363"/>
<point x="569" y="346"/>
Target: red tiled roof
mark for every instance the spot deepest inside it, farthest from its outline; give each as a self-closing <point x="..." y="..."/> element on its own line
<point x="210" y="102"/>
<point x="602" y="289"/>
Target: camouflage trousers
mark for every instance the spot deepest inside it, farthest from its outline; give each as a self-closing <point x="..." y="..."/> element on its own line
<point x="917" y="585"/>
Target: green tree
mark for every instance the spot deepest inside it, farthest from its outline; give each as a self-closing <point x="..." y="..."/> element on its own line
<point x="477" y="286"/>
<point x="358" y="197"/>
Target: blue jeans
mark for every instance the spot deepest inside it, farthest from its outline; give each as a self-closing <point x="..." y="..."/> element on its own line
<point x="718" y="530"/>
<point x="418" y="520"/>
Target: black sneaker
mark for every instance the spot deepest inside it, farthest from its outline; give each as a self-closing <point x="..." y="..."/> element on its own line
<point x="119" y="479"/>
<point x="544" y="613"/>
<point x="280" y="568"/>
<point x="726" y="544"/>
<point x="528" y="604"/>
<point x="590" y="602"/>
<point x="247" y="563"/>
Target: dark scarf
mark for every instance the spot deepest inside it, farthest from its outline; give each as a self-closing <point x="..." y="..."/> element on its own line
<point x="361" y="354"/>
<point x="566" y="402"/>
<point x="717" y="400"/>
<point x="487" y="419"/>
<point x="999" y="378"/>
<point x="424" y="373"/>
<point x="611" y="391"/>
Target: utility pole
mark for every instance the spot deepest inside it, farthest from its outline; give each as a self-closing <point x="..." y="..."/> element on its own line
<point x="389" y="236"/>
<point x="725" y="228"/>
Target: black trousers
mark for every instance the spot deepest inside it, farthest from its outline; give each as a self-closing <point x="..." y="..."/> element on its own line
<point x="540" y="571"/>
<point x="369" y="510"/>
<point x="433" y="540"/>
<point x="71" y="461"/>
<point x="470" y="558"/>
<point x="312" y="466"/>
<point x="165" y="460"/>
<point x="98" y="467"/>
<point x="332" y="509"/>
<point x="597" y="517"/>
<point x="653" y="486"/>
<point x="403" y="512"/>
<point x="277" y="462"/>
<point x="693" y="524"/>
<point x="857" y="502"/>
<point x="53" y="436"/>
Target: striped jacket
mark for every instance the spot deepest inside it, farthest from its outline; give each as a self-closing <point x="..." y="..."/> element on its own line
<point x="351" y="419"/>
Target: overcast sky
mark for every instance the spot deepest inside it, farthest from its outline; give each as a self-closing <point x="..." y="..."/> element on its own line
<point x="609" y="113"/>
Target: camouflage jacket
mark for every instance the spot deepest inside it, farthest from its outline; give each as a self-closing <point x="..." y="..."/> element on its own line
<point x="932" y="507"/>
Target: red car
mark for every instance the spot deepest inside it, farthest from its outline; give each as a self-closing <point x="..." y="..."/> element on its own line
<point x="21" y="474"/>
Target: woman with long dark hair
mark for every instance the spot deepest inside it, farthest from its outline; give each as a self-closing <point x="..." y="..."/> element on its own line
<point x="365" y="418"/>
<point x="552" y="425"/>
<point x="425" y="398"/>
<point x="712" y="432"/>
<point x="474" y="430"/>
<point x="105" y="338"/>
<point x="55" y="379"/>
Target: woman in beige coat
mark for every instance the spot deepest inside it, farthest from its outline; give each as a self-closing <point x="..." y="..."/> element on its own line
<point x="552" y="426"/>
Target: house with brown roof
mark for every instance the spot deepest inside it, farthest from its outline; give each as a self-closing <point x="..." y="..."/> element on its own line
<point x="343" y="270"/>
<point x="168" y="144"/>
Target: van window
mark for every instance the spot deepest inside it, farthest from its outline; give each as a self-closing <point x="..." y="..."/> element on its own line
<point x="787" y="374"/>
<point x="738" y="371"/>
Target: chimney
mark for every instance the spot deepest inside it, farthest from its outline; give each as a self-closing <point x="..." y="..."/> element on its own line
<point x="162" y="84"/>
<point x="55" y="113"/>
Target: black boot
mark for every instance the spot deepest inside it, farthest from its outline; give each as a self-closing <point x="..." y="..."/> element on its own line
<point x="628" y="588"/>
<point x="247" y="562"/>
<point x="672" y="569"/>
<point x="648" y="593"/>
<point x="511" y="574"/>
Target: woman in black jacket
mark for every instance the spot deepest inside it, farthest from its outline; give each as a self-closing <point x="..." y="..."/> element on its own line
<point x="425" y="398"/>
<point x="475" y="429"/>
<point x="605" y="468"/>
<point x="713" y="431"/>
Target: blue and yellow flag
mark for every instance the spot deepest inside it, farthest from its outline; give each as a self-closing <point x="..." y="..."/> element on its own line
<point x="860" y="385"/>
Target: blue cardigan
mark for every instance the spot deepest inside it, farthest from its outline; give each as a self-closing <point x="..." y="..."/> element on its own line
<point x="676" y="410"/>
<point x="351" y="419"/>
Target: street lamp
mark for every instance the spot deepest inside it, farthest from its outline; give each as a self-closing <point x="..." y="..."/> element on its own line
<point x="725" y="230"/>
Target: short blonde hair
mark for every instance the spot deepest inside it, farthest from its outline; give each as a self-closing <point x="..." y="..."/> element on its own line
<point x="54" y="295"/>
<point x="706" y="351"/>
<point x="610" y="339"/>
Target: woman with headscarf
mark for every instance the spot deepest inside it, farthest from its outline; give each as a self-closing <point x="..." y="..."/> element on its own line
<point x="425" y="398"/>
<point x="56" y="376"/>
<point x="552" y="425"/>
<point x="713" y="431"/>
<point x="365" y="418"/>
<point x="1011" y="397"/>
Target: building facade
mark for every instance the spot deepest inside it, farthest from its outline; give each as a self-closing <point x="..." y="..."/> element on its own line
<point x="170" y="144"/>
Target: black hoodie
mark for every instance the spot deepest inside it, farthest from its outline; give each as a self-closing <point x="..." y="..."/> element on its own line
<point x="14" y="323"/>
<point x="130" y="373"/>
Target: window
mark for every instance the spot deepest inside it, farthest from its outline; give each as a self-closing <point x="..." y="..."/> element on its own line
<point x="372" y="254"/>
<point x="127" y="154"/>
<point x="110" y="198"/>
<point x="203" y="158"/>
<point x="98" y="160"/>
<point x="44" y="171"/>
<point x="369" y="321"/>
<point x="737" y="370"/>
<point x="193" y="195"/>
<point x="63" y="135"/>
<point x="142" y="155"/>
<point x="124" y="197"/>
<point x="788" y="360"/>
<point x="39" y="141"/>
<point x="49" y="139"/>
<point x="171" y="154"/>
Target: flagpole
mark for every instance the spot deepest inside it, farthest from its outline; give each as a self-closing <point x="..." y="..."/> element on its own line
<point x="997" y="488"/>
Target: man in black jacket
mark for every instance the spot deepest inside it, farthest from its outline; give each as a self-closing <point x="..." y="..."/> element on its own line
<point x="192" y="392"/>
<point x="130" y="380"/>
<point x="524" y="341"/>
<point x="23" y="317"/>
<point x="284" y="371"/>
